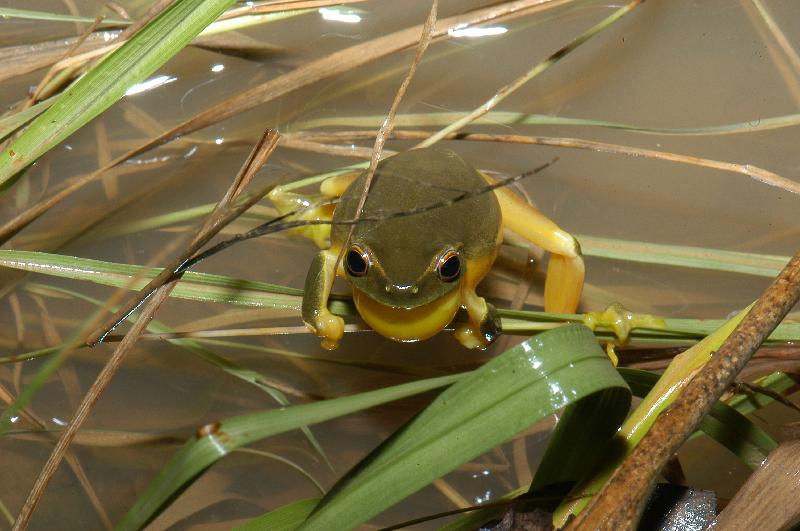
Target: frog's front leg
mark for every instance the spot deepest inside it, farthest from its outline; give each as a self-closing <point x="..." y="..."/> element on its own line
<point x="565" y="272"/>
<point x="483" y="326"/>
<point x="315" y="312"/>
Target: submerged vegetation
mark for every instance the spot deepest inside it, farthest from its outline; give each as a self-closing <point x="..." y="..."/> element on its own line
<point x="119" y="169"/>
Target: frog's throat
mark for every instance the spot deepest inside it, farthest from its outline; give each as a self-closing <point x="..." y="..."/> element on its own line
<point x="408" y="324"/>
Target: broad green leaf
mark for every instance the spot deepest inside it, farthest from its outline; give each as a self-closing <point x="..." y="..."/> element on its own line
<point x="580" y="439"/>
<point x="668" y="387"/>
<point x="107" y="81"/>
<point x="201" y="452"/>
<point x="284" y="518"/>
<point x="490" y="405"/>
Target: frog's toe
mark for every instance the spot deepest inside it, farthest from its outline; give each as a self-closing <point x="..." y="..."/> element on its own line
<point x="329" y="327"/>
<point x="482" y="335"/>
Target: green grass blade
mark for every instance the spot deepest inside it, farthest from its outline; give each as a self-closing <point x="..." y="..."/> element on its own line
<point x="439" y="119"/>
<point x="107" y="81"/>
<point x="29" y="14"/>
<point x="764" y="265"/>
<point x="232" y="433"/>
<point x="284" y="518"/>
<point x="724" y="424"/>
<point x="193" y="286"/>
<point x="228" y="366"/>
<point x="505" y="396"/>
<point x="12" y="121"/>
<point x="776" y="382"/>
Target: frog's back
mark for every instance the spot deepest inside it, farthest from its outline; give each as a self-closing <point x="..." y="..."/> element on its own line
<point x="414" y="180"/>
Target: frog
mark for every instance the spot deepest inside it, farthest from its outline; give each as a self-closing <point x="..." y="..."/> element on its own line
<point x="428" y="233"/>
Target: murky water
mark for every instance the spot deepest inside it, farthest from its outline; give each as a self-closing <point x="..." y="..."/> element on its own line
<point x="667" y="64"/>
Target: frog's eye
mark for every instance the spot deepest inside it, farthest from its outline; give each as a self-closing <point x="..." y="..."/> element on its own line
<point x="357" y="261"/>
<point x="449" y="266"/>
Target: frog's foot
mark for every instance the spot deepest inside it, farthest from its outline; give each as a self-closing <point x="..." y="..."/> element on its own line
<point x="621" y="320"/>
<point x="329" y="327"/>
<point x="479" y="333"/>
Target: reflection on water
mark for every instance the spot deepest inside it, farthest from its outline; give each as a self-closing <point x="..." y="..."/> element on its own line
<point x="665" y="65"/>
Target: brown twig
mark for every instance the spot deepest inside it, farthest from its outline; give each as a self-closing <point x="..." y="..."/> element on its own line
<point x="619" y="504"/>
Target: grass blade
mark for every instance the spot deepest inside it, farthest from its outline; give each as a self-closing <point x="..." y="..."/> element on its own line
<point x="485" y="408"/>
<point x="107" y="81"/>
<point x="764" y="265"/>
<point x="12" y="121"/>
<point x="29" y="14"/>
<point x="284" y="518"/>
<point x="202" y="451"/>
<point x="194" y="286"/>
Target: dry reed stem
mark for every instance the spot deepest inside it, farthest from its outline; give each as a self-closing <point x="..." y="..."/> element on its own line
<point x="620" y="502"/>
<point x="72" y="461"/>
<point x="86" y="406"/>
<point x="51" y="73"/>
<point x="155" y="297"/>
<point x="282" y="5"/>
<point x="222" y="214"/>
<point x="388" y="125"/>
<point x="770" y="498"/>
<point x="754" y="172"/>
<point x="340" y="62"/>
<point x="317" y="70"/>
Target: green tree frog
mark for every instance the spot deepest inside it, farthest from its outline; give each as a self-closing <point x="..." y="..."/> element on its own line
<point x="410" y="274"/>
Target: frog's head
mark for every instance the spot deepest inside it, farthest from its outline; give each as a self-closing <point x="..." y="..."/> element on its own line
<point x="404" y="288"/>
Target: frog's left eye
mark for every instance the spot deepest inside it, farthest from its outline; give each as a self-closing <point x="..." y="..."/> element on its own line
<point x="449" y="266"/>
<point x="357" y="261"/>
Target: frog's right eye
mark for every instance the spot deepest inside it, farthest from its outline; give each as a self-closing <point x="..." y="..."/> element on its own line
<point x="357" y="261"/>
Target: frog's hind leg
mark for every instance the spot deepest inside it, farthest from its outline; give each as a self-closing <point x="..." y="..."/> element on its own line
<point x="335" y="186"/>
<point x="313" y="208"/>
<point x="565" y="272"/>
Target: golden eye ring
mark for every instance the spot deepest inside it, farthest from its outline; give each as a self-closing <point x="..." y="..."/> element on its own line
<point x="357" y="261"/>
<point x="449" y="267"/>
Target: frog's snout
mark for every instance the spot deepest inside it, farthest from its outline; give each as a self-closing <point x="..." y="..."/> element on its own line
<point x="401" y="289"/>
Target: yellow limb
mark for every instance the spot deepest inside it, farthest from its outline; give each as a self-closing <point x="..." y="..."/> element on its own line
<point x="308" y="209"/>
<point x="482" y="328"/>
<point x="565" y="272"/>
<point x="335" y="186"/>
<point x="316" y="315"/>
<point x="621" y="320"/>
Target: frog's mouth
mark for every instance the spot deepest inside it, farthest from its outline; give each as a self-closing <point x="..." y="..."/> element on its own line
<point x="408" y="324"/>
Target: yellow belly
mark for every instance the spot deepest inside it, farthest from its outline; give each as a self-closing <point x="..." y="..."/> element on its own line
<point x="408" y="324"/>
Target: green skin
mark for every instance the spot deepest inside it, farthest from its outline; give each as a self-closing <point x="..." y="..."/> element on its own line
<point x="404" y="252"/>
